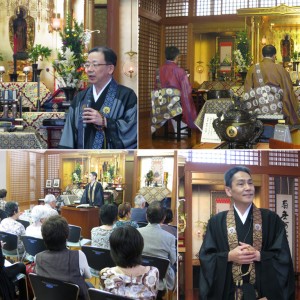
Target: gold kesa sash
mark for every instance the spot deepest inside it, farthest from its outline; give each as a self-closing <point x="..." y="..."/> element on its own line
<point x="233" y="243"/>
<point x="93" y="192"/>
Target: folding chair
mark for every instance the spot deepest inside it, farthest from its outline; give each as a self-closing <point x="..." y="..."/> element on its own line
<point x="24" y="223"/>
<point x="48" y="289"/>
<point x="142" y="224"/>
<point x="10" y="248"/>
<point x="95" y="294"/>
<point x="98" y="259"/>
<point x="32" y="247"/>
<point x="74" y="238"/>
<point x="162" y="265"/>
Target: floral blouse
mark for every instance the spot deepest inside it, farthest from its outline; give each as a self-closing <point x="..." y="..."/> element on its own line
<point x="123" y="223"/>
<point x="100" y="237"/>
<point x="144" y="286"/>
<point x="11" y="226"/>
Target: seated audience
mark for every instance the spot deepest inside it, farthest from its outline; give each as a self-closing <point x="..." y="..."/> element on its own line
<point x="7" y="273"/>
<point x="168" y="219"/>
<point x="3" y="193"/>
<point x="10" y="225"/>
<point x="129" y="278"/>
<point x="59" y="262"/>
<point x="138" y="213"/>
<point x="50" y="203"/>
<point x="39" y="214"/>
<point x="3" y="214"/>
<point x="101" y="234"/>
<point x="158" y="242"/>
<point x="124" y="216"/>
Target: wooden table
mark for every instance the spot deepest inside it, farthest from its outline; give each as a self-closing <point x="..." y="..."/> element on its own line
<point x="86" y="218"/>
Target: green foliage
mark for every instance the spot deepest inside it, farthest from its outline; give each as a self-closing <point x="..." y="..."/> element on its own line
<point x="76" y="175"/>
<point x="214" y="63"/>
<point x="150" y="175"/>
<point x="1" y="57"/>
<point x="68" y="65"/>
<point x="242" y="44"/>
<point x="73" y="38"/>
<point x="39" y="50"/>
<point x="296" y="56"/>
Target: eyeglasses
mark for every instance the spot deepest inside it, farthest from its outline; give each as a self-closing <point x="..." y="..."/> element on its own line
<point x="94" y="65"/>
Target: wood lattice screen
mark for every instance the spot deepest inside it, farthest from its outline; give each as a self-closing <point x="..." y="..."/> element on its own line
<point x="177" y="8"/>
<point x="25" y="177"/>
<point x="177" y="36"/>
<point x="149" y="54"/>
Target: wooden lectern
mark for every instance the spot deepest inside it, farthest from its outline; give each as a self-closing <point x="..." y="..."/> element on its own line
<point x="86" y="218"/>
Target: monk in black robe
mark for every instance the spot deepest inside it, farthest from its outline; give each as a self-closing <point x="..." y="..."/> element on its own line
<point x="105" y="115"/>
<point x="245" y="252"/>
<point x="93" y="193"/>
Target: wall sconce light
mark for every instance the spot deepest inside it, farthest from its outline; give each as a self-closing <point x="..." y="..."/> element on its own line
<point x="264" y="40"/>
<point x="130" y="65"/>
<point x="56" y="22"/>
<point x="199" y="67"/>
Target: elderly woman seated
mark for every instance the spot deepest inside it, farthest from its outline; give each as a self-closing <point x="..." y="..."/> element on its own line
<point x="101" y="234"/>
<point x="124" y="216"/>
<point x="39" y="214"/>
<point x="11" y="225"/>
<point x="58" y="261"/>
<point x="129" y="278"/>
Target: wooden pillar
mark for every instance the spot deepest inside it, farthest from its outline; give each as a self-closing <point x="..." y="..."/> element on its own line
<point x="188" y="236"/>
<point x="89" y="6"/>
<point x="113" y="31"/>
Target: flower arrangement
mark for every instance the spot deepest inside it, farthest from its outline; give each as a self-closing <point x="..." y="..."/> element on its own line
<point x="69" y="75"/>
<point x="76" y="175"/>
<point x="242" y="56"/>
<point x="39" y="52"/>
<point x="214" y="64"/>
<point x="68" y="66"/>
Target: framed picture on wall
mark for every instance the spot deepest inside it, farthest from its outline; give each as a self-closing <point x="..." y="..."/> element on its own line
<point x="56" y="183"/>
<point x="48" y="183"/>
<point x="225" y="48"/>
<point x="219" y="201"/>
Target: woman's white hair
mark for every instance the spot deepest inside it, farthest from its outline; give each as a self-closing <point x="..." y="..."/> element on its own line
<point x="39" y="212"/>
<point x="49" y="198"/>
<point x="139" y="200"/>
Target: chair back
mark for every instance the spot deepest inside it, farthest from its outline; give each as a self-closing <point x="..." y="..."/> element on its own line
<point x="74" y="234"/>
<point x="95" y="294"/>
<point x="48" y="289"/>
<point x="24" y="223"/>
<point x="142" y="224"/>
<point x="33" y="245"/>
<point x="160" y="263"/>
<point x="98" y="258"/>
<point x="10" y="240"/>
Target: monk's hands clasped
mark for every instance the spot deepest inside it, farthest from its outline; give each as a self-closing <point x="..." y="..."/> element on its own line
<point x="93" y="116"/>
<point x="244" y="254"/>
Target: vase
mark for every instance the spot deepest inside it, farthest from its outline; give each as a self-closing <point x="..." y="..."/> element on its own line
<point x="69" y="93"/>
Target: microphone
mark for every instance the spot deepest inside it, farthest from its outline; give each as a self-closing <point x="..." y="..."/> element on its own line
<point x="87" y="105"/>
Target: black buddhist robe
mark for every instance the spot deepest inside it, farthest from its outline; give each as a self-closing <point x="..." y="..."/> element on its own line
<point x="98" y="195"/>
<point x="121" y="130"/>
<point x="274" y="273"/>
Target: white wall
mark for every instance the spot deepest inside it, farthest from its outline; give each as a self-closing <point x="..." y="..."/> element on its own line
<point x="3" y="169"/>
<point x="168" y="165"/>
<point x="201" y="212"/>
<point x="125" y="38"/>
